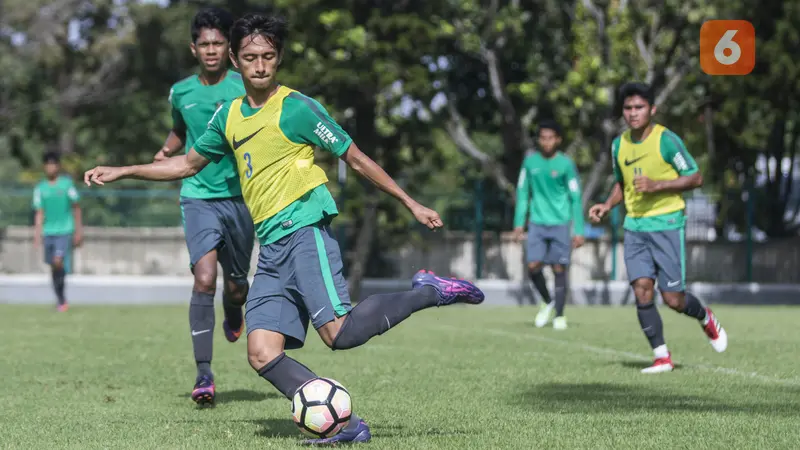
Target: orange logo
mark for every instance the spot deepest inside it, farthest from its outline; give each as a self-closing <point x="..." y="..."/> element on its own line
<point x="727" y="47"/>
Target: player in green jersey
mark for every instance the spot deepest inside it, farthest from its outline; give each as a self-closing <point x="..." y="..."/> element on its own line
<point x="653" y="169"/>
<point x="272" y="131"/>
<point x="57" y="224"/>
<point x="548" y="199"/>
<point x="216" y="222"/>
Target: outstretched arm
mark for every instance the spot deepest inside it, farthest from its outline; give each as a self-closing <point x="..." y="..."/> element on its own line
<point x="170" y="169"/>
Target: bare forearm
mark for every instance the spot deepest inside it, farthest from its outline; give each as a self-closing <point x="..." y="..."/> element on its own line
<point x="38" y="222"/>
<point x="615" y="197"/>
<point x="167" y="170"/>
<point x="78" y="217"/>
<point x="176" y="141"/>
<point x="680" y="184"/>
<point x="367" y="168"/>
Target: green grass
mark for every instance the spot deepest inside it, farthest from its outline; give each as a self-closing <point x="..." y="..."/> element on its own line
<point x="456" y="378"/>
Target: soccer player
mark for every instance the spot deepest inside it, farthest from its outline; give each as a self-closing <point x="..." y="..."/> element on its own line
<point x="652" y="169"/>
<point x="216" y="222"/>
<point x="272" y="131"/>
<point x="548" y="199"/>
<point x="57" y="222"/>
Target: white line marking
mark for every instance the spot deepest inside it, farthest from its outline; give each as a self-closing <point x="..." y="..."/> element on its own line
<point x="611" y="351"/>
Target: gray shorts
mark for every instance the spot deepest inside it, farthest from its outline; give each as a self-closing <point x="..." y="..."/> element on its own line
<point x="658" y="255"/>
<point x="58" y="246"/>
<point x="299" y="277"/>
<point x="549" y="244"/>
<point x="224" y="225"/>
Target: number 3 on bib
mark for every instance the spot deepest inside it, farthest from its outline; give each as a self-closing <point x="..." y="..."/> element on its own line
<point x="248" y="160"/>
<point x="727" y="47"/>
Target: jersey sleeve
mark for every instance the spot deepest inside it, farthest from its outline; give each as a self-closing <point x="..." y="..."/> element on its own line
<point x="36" y="203"/>
<point x="212" y="144"/>
<point x="72" y="193"/>
<point x="574" y="187"/>
<point x="614" y="162"/>
<point x="523" y="197"/>
<point x="675" y="153"/>
<point x="177" y="118"/>
<point x="305" y="121"/>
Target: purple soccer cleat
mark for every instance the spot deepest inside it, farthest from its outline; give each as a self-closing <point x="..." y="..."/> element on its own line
<point x="204" y="391"/>
<point x="358" y="434"/>
<point x="230" y="334"/>
<point x="450" y="290"/>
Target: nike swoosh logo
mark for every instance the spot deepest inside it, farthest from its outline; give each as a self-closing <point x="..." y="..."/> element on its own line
<point x="672" y="283"/>
<point x="314" y="316"/>
<point x="189" y="106"/>
<point x="195" y="333"/>
<point x="628" y="163"/>
<point x="237" y="144"/>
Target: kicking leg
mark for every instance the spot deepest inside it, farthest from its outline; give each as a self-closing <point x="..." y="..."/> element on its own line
<point x="560" y="272"/>
<point x="537" y="278"/>
<point x="652" y="326"/>
<point x="201" y="321"/>
<point x="233" y="299"/>
<point x="688" y="304"/>
<point x="59" y="274"/>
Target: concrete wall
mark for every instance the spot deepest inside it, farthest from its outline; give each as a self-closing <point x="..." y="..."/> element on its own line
<point x="162" y="251"/>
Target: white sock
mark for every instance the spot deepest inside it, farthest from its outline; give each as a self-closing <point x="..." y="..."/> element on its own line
<point x="661" y="351"/>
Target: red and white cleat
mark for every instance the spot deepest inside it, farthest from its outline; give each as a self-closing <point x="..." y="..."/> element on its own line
<point x="716" y="334"/>
<point x="660" y="365"/>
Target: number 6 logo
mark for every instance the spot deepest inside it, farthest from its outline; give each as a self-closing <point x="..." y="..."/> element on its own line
<point x="727" y="47"/>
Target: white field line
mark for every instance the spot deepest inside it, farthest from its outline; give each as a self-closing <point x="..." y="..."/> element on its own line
<point x="610" y="351"/>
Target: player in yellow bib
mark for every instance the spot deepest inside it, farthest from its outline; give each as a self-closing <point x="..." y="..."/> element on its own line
<point x="653" y="169"/>
<point x="272" y="132"/>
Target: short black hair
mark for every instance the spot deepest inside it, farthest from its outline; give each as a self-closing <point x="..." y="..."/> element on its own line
<point x="213" y="18"/>
<point x="549" y="124"/>
<point x="273" y="28"/>
<point x="636" y="89"/>
<point x="51" y="157"/>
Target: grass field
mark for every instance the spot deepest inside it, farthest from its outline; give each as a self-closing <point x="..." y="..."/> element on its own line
<point x="455" y="378"/>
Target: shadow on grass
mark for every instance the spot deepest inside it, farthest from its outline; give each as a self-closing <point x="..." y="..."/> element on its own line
<point x="285" y="428"/>
<point x="240" y="395"/>
<point x="619" y="398"/>
<point x="639" y="364"/>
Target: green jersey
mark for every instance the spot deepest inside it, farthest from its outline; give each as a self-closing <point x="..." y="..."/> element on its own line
<point x="548" y="192"/>
<point x="283" y="188"/>
<point x="193" y="104"/>
<point x="55" y="199"/>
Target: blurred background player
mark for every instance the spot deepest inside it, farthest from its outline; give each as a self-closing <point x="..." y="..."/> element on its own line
<point x="273" y="132"/>
<point x="652" y="169"/>
<point x="216" y="222"/>
<point x="57" y="222"/>
<point x="548" y="199"/>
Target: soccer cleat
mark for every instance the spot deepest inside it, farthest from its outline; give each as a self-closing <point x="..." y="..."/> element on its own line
<point x="62" y="308"/>
<point x="204" y="390"/>
<point x="450" y="290"/>
<point x="230" y="334"/>
<point x="360" y="433"/>
<point x="543" y="316"/>
<point x="560" y="323"/>
<point x="660" y="365"/>
<point x="716" y="334"/>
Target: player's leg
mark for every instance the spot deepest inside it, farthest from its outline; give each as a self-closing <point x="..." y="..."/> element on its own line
<point x="670" y="257"/>
<point x="558" y="256"/>
<point x="642" y="273"/>
<point x="322" y="287"/>
<point x="202" y="229"/>
<point x="276" y="321"/>
<point x="234" y="257"/>
<point x="534" y="254"/>
<point x="57" y="256"/>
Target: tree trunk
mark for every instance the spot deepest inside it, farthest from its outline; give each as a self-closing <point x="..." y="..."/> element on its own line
<point x="364" y="240"/>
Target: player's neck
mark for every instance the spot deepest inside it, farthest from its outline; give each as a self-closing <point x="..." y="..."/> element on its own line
<point x="212" y="78"/>
<point x="642" y="133"/>
<point x="257" y="98"/>
<point x="53" y="179"/>
<point x="548" y="155"/>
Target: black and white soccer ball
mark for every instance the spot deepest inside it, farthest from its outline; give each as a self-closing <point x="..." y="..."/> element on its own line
<point x="321" y="408"/>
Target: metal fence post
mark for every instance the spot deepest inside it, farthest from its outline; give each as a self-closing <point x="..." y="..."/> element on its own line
<point x="749" y="240"/>
<point x="478" y="228"/>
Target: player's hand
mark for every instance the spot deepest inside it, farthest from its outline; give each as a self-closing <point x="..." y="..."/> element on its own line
<point x="101" y="175"/>
<point x="160" y="155"/>
<point x="597" y="212"/>
<point x="519" y="234"/>
<point x="427" y="216"/>
<point x="578" y="241"/>
<point x="77" y="239"/>
<point x="644" y="184"/>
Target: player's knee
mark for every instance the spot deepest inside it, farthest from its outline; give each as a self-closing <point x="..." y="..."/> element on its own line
<point x="643" y="289"/>
<point x="205" y="281"/>
<point x="330" y="331"/>
<point x="262" y="356"/>
<point x="57" y="263"/>
<point x="535" y="266"/>
<point x="675" y="300"/>
<point x="236" y="293"/>
<point x="558" y="268"/>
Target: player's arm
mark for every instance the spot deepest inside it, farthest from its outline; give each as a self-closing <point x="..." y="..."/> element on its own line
<point x="574" y="188"/>
<point x="77" y="214"/>
<point x="38" y="217"/>
<point x="523" y="198"/>
<point x="675" y="153"/>
<point x="176" y="139"/>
